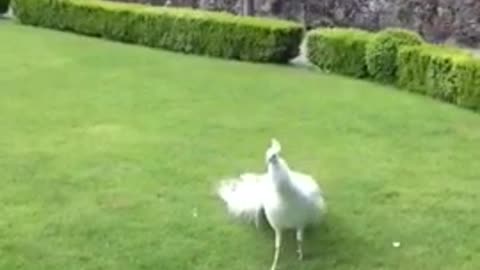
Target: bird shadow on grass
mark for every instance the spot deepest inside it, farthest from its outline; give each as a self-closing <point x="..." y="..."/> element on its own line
<point x="331" y="243"/>
<point x="334" y="243"/>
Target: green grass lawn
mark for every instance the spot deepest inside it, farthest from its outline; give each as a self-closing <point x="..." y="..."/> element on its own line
<point x="106" y="150"/>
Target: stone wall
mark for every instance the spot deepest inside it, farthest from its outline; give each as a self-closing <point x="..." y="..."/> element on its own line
<point x="436" y="20"/>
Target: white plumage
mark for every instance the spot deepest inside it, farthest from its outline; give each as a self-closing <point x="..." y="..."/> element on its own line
<point x="289" y="199"/>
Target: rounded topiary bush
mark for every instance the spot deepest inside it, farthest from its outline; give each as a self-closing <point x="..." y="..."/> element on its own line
<point x="381" y="52"/>
<point x="4" y="6"/>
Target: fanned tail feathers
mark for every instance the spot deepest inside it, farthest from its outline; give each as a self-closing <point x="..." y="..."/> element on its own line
<point x="243" y="196"/>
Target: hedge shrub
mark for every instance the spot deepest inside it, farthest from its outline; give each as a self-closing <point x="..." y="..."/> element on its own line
<point x="440" y="78"/>
<point x="445" y="73"/>
<point x="183" y="30"/>
<point x="4" y="4"/>
<point x="454" y="78"/>
<point x="467" y="81"/>
<point x="414" y="62"/>
<point x="381" y="52"/>
<point x="400" y="57"/>
<point x="412" y="68"/>
<point x="340" y="50"/>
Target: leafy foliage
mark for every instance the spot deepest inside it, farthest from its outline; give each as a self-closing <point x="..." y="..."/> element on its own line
<point x="182" y="30"/>
<point x="340" y="50"/>
<point x="381" y="52"/>
<point x="4" y="4"/>
<point x="449" y="74"/>
<point x="467" y="83"/>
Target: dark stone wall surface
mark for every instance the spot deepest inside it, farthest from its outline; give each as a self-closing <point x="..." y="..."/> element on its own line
<point x="436" y="20"/>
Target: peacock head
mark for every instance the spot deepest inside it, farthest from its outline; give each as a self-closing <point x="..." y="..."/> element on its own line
<point x="273" y="151"/>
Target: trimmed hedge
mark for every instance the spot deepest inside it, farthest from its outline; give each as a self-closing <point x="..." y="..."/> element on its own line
<point x="381" y="52"/>
<point x="340" y="50"/>
<point x="445" y="73"/>
<point x="183" y="30"/>
<point x="399" y="57"/>
<point x="414" y="62"/>
<point x="412" y="68"/>
<point x="468" y="84"/>
<point x="4" y="4"/>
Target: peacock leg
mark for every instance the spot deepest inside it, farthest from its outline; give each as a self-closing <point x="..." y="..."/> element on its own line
<point x="300" y="243"/>
<point x="278" y="240"/>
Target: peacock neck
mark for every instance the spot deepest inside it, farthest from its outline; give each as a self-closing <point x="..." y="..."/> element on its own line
<point x="279" y="174"/>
